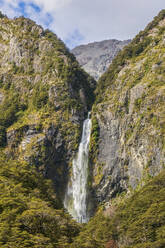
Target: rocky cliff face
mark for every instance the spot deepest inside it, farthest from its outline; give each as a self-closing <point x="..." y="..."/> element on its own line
<point x="96" y="57"/>
<point x="44" y="97"/>
<point x="127" y="144"/>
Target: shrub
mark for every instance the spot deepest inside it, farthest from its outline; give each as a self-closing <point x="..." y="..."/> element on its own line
<point x="2" y="136"/>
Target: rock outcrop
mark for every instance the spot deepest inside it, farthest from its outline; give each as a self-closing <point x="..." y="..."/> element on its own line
<point x="44" y="98"/>
<point x="127" y="144"/>
<point x="96" y="57"/>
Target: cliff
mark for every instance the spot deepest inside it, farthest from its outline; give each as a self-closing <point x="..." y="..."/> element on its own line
<point x="127" y="148"/>
<point x="44" y="98"/>
<point x="127" y="144"/>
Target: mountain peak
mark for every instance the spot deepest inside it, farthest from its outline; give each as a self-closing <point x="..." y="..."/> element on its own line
<point x="96" y="57"/>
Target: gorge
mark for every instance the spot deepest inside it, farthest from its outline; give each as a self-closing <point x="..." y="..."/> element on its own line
<point x="54" y="160"/>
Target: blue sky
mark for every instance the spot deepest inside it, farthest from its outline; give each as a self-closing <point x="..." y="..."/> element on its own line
<point x="83" y="21"/>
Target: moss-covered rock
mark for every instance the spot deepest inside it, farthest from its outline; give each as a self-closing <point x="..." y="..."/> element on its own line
<point x="44" y="98"/>
<point x="129" y="110"/>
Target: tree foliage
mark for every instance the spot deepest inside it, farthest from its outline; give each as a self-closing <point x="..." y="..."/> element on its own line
<point x="30" y="214"/>
<point x="138" y="222"/>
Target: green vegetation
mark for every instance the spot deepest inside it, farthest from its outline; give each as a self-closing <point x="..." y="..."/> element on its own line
<point x="1" y="15"/>
<point x="2" y="136"/>
<point x="51" y="87"/>
<point x="9" y="108"/>
<point x="40" y="96"/>
<point x="138" y="221"/>
<point x="8" y="113"/>
<point x="30" y="214"/>
<point x="93" y="149"/>
<point x="95" y="233"/>
<point x="45" y="95"/>
<point x="136" y="48"/>
<point x="142" y="217"/>
<point x="132" y="92"/>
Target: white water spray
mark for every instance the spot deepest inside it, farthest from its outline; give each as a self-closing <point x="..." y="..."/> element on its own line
<point x="76" y="195"/>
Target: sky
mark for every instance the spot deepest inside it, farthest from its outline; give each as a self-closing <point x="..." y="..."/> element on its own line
<point x="83" y="21"/>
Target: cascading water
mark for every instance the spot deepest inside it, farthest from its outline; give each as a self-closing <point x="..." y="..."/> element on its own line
<point x="76" y="195"/>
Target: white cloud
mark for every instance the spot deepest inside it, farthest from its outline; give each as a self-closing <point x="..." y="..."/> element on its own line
<point x="47" y="5"/>
<point x="51" y="5"/>
<point x="83" y="21"/>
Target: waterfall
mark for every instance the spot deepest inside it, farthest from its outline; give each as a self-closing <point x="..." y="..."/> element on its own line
<point x="76" y="195"/>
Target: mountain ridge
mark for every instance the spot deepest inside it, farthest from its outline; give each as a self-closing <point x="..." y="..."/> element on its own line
<point x="96" y="57"/>
<point x="128" y="115"/>
<point x="44" y="98"/>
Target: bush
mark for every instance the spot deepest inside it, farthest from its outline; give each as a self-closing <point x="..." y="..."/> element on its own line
<point x="40" y="96"/>
<point x="30" y="214"/>
<point x="2" y="136"/>
<point x="9" y="108"/>
<point x="139" y="221"/>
